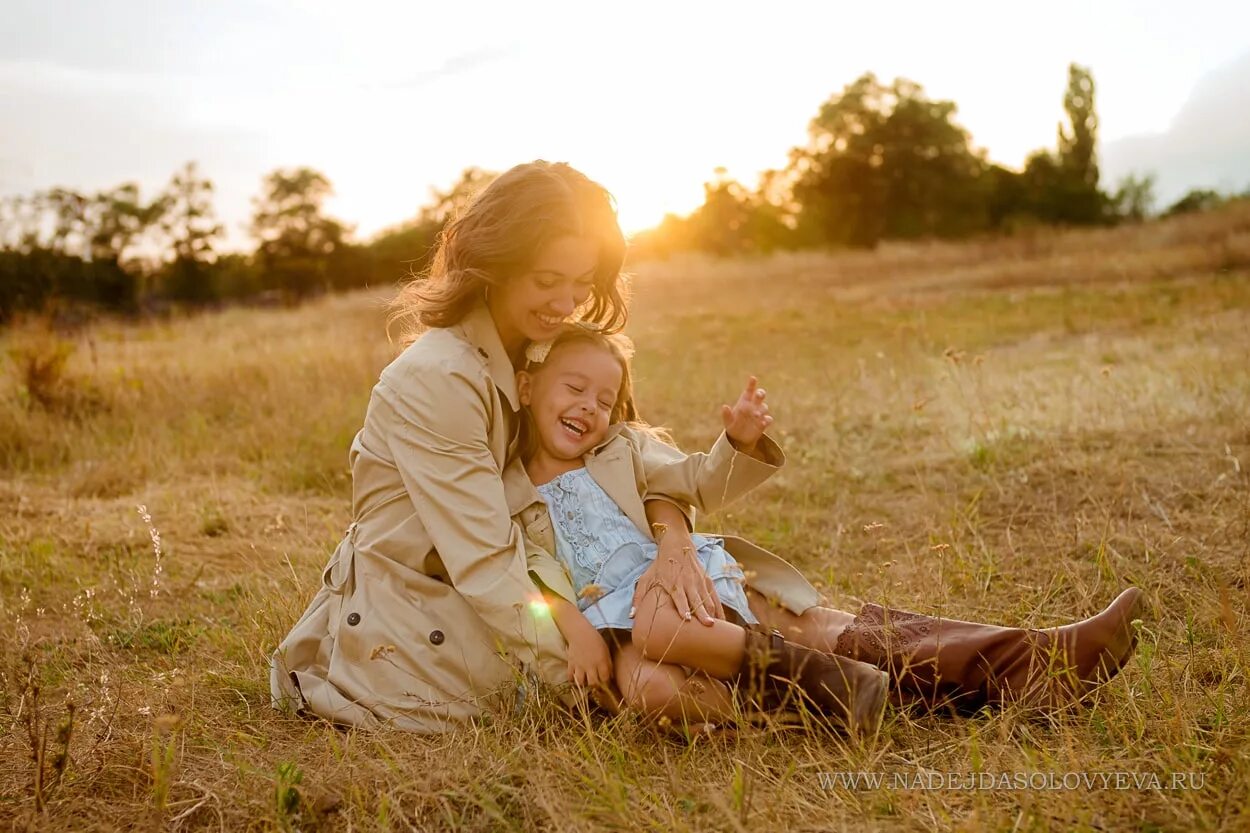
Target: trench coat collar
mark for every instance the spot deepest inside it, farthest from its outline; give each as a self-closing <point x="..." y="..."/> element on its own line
<point x="614" y="431"/>
<point x="610" y="465"/>
<point x="480" y="331"/>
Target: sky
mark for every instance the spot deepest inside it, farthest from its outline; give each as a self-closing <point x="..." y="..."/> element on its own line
<point x="391" y="99"/>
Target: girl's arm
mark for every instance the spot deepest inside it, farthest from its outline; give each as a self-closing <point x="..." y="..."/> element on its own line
<point x="590" y="661"/>
<point x="741" y="459"/>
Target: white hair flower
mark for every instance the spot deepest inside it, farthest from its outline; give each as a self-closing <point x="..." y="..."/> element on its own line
<point x="537" y="352"/>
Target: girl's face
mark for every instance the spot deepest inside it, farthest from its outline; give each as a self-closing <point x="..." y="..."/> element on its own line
<point x="532" y="306"/>
<point x="571" y="397"/>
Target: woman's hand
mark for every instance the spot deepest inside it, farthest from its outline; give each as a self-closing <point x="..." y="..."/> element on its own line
<point x="748" y="419"/>
<point x="590" y="660"/>
<point x="677" y="571"/>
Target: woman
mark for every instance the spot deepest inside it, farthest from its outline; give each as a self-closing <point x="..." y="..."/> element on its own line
<point x="429" y="610"/>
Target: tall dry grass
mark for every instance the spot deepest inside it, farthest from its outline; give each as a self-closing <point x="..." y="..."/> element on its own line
<point x="1006" y="430"/>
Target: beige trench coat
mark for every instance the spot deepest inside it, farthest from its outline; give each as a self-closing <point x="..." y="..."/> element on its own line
<point x="428" y="613"/>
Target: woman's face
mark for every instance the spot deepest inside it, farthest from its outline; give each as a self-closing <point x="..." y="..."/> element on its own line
<point x="532" y="306"/>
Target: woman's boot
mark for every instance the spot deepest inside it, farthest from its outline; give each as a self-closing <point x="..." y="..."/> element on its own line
<point x="853" y="693"/>
<point x="946" y="661"/>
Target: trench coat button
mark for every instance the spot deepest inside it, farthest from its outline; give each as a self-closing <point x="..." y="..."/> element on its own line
<point x="436" y="637"/>
<point x="481" y="351"/>
<point x="353" y="618"/>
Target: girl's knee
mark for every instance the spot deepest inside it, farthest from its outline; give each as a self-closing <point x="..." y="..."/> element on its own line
<point x="655" y="625"/>
<point x="654" y="635"/>
<point x="651" y="689"/>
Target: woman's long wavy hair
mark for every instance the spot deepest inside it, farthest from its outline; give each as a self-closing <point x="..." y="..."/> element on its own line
<point x="621" y="348"/>
<point x="499" y="235"/>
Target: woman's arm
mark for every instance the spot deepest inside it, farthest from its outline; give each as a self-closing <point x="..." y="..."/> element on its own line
<point x="437" y="422"/>
<point x="676" y="569"/>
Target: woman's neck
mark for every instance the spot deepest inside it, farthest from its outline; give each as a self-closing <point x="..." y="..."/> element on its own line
<point x="513" y="341"/>
<point x="542" y="468"/>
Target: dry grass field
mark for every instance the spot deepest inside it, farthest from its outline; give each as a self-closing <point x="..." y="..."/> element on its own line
<point x="1009" y="430"/>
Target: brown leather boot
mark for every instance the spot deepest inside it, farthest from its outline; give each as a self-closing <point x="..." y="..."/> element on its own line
<point x="940" y="661"/>
<point x="852" y="693"/>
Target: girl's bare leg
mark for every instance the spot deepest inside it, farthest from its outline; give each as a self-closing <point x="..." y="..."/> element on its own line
<point x="663" y="690"/>
<point x="852" y="692"/>
<point x="817" y="628"/>
<point x="662" y="635"/>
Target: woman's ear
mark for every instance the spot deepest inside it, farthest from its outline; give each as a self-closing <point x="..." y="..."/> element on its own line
<point x="524" y="386"/>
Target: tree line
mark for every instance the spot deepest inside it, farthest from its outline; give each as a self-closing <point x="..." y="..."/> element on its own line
<point x="881" y="162"/>
<point x="885" y="162"/>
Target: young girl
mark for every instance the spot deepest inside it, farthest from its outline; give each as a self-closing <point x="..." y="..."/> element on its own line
<point x="579" y="452"/>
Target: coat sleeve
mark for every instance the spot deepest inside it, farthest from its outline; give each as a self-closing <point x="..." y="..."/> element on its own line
<point x="709" y="480"/>
<point x="544" y="568"/>
<point x="438" y="438"/>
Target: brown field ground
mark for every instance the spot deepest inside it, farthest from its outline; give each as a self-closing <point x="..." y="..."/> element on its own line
<point x="1008" y="430"/>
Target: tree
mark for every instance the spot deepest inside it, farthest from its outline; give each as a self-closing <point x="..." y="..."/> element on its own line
<point x="296" y="241"/>
<point x="733" y="219"/>
<point x="115" y="219"/>
<point x="1078" y="162"/>
<point x="1077" y="141"/>
<point x="886" y="161"/>
<point x="447" y="204"/>
<point x="1198" y="199"/>
<point x="1059" y="186"/>
<point x="97" y="230"/>
<point x="1134" y="198"/>
<point x="410" y="246"/>
<point x="188" y="220"/>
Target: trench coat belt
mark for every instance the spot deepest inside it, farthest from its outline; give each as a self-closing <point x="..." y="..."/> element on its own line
<point x="339" y="577"/>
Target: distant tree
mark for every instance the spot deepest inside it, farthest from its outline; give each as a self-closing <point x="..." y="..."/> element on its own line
<point x="886" y="161"/>
<point x="1078" y="161"/>
<point x="1198" y="199"/>
<point x="1059" y="186"/>
<point x="99" y="230"/>
<point x="1006" y="195"/>
<point x="1078" y="141"/>
<point x="115" y="219"/>
<point x="296" y="240"/>
<point x="1134" y="198"/>
<point x="733" y="219"/>
<point x="189" y="223"/>
<point x="23" y="225"/>
<point x="408" y="248"/>
<point x="445" y="205"/>
<point x="69" y="215"/>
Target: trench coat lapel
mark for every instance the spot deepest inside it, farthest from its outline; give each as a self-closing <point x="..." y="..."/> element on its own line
<point x="612" y="467"/>
<point x="479" y="330"/>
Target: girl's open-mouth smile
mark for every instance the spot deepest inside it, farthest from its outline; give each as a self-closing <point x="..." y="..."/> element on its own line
<point x="574" y="426"/>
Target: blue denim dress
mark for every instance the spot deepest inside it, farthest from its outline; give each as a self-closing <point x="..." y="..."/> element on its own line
<point x="603" y="548"/>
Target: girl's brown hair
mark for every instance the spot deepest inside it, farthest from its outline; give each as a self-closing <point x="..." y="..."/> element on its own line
<point x="626" y="408"/>
<point x="501" y="232"/>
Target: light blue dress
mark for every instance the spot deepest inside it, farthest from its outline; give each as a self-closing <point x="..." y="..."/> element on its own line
<point x="601" y="546"/>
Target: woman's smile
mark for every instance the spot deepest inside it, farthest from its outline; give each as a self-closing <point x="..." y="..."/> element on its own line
<point x="550" y="321"/>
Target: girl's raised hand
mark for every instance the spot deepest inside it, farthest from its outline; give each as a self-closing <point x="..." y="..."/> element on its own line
<point x="748" y="419"/>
